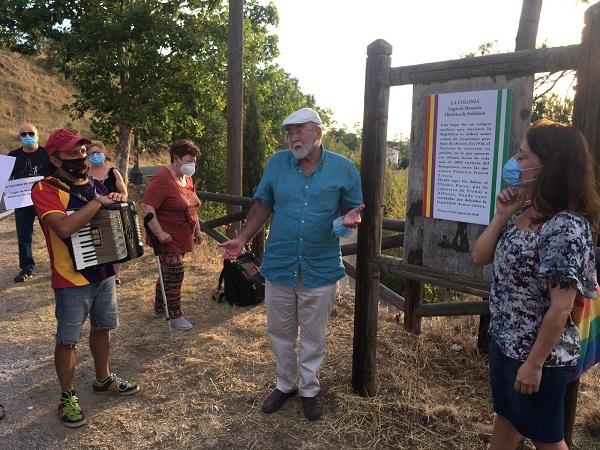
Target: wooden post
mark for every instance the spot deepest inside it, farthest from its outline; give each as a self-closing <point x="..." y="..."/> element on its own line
<point x="235" y="58"/>
<point x="413" y="297"/>
<point x="570" y="410"/>
<point x="586" y="114"/>
<point x="483" y="337"/>
<point x="586" y="108"/>
<point x="374" y="140"/>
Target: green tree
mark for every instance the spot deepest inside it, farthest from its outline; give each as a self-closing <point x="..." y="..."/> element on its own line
<point x="156" y="69"/>
<point x="403" y="146"/>
<point x="551" y="106"/>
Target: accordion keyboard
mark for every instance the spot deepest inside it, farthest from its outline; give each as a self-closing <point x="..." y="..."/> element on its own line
<point x="99" y="242"/>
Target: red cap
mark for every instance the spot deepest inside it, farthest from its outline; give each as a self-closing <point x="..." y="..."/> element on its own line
<point x="62" y="140"/>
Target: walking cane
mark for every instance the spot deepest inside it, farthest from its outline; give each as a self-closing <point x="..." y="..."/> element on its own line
<point x="157" y="252"/>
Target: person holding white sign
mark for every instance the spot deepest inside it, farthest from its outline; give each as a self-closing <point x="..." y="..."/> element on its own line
<point x="31" y="161"/>
<point x="540" y="243"/>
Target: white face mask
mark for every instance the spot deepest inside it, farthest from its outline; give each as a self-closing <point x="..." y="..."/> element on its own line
<point x="188" y="168"/>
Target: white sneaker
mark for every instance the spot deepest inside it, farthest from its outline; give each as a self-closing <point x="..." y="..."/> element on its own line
<point x="181" y="324"/>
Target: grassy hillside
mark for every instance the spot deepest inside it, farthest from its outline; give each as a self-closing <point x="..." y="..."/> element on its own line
<point x="28" y="92"/>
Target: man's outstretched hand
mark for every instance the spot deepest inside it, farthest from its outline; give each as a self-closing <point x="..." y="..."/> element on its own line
<point x="232" y="248"/>
<point x="352" y="218"/>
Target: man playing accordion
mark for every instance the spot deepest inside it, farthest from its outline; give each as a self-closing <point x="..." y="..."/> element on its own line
<point x="77" y="293"/>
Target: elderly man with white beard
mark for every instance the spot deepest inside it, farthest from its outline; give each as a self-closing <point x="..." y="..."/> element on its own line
<point x="305" y="187"/>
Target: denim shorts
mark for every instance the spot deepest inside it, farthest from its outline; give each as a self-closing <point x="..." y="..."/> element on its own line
<point x="538" y="416"/>
<point x="73" y="305"/>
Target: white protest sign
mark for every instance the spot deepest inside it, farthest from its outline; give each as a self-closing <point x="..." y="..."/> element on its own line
<point x="17" y="193"/>
<point x="6" y="166"/>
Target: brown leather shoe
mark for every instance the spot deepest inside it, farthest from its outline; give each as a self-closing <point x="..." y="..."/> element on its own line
<point x="312" y="407"/>
<point x="275" y="401"/>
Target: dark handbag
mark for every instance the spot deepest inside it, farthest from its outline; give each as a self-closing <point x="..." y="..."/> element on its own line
<point x="243" y="284"/>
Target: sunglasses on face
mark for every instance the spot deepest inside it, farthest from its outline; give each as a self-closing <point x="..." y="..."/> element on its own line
<point x="27" y="133"/>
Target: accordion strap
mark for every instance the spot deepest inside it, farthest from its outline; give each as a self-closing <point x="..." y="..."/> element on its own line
<point x="68" y="191"/>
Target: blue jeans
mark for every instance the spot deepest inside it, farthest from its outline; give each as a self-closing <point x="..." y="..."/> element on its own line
<point x="74" y="304"/>
<point x="24" y="218"/>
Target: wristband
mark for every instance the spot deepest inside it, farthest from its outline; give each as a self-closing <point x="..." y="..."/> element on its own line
<point x="99" y="201"/>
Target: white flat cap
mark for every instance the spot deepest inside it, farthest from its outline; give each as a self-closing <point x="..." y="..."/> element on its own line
<point x="303" y="115"/>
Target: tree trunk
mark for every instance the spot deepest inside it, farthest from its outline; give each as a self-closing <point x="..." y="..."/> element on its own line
<point x="125" y="141"/>
<point x="528" y="24"/>
<point x="235" y="58"/>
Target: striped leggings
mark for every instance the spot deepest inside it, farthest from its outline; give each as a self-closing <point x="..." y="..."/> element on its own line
<point x="172" y="272"/>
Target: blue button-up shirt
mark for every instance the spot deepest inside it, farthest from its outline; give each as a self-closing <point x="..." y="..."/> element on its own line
<point x="301" y="240"/>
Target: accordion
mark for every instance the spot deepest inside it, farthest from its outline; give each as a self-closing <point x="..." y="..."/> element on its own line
<point x="113" y="235"/>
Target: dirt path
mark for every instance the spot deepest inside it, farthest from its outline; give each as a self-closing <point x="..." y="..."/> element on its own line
<point x="202" y="389"/>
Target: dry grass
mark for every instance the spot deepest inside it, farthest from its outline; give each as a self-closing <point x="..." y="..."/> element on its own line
<point x="202" y="389"/>
<point x="30" y="93"/>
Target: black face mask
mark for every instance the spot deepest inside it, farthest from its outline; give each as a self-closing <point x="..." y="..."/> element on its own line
<point x="75" y="167"/>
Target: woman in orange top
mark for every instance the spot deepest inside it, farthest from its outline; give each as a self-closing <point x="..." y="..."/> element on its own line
<point x="172" y="198"/>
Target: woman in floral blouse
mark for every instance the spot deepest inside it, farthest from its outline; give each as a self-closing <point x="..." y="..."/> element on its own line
<point x="540" y="244"/>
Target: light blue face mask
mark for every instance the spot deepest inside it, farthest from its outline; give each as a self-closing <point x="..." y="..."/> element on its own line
<point x="511" y="173"/>
<point x="28" y="141"/>
<point x="97" y="158"/>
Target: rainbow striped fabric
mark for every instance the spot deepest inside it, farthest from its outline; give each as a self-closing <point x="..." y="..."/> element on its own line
<point x="586" y="316"/>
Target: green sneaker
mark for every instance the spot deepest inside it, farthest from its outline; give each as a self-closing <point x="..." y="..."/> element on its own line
<point x="69" y="411"/>
<point x="115" y="385"/>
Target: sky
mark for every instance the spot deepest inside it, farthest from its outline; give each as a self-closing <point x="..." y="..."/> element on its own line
<point x="323" y="43"/>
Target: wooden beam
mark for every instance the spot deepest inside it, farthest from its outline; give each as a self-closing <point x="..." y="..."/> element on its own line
<point x="524" y="62"/>
<point x="235" y="217"/>
<point x="387" y="242"/>
<point x="219" y="237"/>
<point x="374" y="140"/>
<point x="225" y="198"/>
<point x="393" y="225"/>
<point x="385" y="293"/>
<point x="439" y="278"/>
<point x="454" y="309"/>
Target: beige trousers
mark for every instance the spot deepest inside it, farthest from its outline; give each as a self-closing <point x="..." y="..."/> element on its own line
<point x="287" y="310"/>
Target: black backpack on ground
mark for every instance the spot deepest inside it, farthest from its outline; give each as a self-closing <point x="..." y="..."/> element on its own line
<point x="241" y="288"/>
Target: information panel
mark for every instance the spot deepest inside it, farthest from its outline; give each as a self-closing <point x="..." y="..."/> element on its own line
<point x="466" y="144"/>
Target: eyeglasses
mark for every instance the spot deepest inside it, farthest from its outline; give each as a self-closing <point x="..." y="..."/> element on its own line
<point x="291" y="130"/>
<point x="27" y="133"/>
